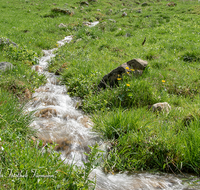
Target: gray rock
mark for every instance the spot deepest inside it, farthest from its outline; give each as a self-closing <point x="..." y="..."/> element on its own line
<point x="161" y="107"/>
<point x="124" y="14"/>
<point x="61" y="25"/>
<point x="5" y="65"/>
<point x="6" y="41"/>
<point x="134" y="66"/>
<point x="112" y="20"/>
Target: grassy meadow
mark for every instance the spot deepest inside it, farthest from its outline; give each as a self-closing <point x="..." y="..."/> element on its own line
<point x="139" y="138"/>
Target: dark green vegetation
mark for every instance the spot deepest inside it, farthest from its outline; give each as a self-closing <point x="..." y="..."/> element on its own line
<point x="140" y="139"/>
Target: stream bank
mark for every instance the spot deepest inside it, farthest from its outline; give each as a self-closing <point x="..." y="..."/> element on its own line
<point x="57" y="120"/>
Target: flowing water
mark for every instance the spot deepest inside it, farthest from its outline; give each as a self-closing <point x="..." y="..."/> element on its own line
<point x="58" y="120"/>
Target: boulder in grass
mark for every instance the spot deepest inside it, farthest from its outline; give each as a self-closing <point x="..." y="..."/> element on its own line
<point x="5" y="65"/>
<point x="161" y="107"/>
<point x="134" y="66"/>
<point x="61" y="25"/>
<point x="6" y="41"/>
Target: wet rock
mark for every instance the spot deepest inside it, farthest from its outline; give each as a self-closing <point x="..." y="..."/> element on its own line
<point x="98" y="9"/>
<point x="5" y="65"/>
<point x="92" y="0"/>
<point x="61" y="25"/>
<point x="47" y="113"/>
<point x="38" y="68"/>
<point x="134" y="66"/>
<point x="85" y="121"/>
<point x="124" y="14"/>
<point x="6" y="41"/>
<point x="161" y="107"/>
<point x="27" y="93"/>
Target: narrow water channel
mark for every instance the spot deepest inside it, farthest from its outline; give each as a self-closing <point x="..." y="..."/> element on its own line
<point x="57" y="120"/>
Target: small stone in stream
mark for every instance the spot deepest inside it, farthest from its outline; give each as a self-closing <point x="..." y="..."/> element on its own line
<point x="46" y="112"/>
<point x="5" y="65"/>
<point x="134" y="66"/>
<point x="124" y="14"/>
<point x="161" y="107"/>
<point x="38" y="68"/>
<point x="98" y="9"/>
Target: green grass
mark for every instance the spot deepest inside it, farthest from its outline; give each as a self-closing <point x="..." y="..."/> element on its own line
<point x="24" y="165"/>
<point x="140" y="139"/>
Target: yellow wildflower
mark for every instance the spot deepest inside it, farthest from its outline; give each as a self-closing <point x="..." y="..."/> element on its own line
<point x="127" y="68"/>
<point x="118" y="78"/>
<point x="163" y="81"/>
<point x="128" y="72"/>
<point x="66" y="68"/>
<point x="132" y="69"/>
<point x="127" y="84"/>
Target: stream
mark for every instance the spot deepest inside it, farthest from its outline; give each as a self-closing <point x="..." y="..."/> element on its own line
<point x="58" y="120"/>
